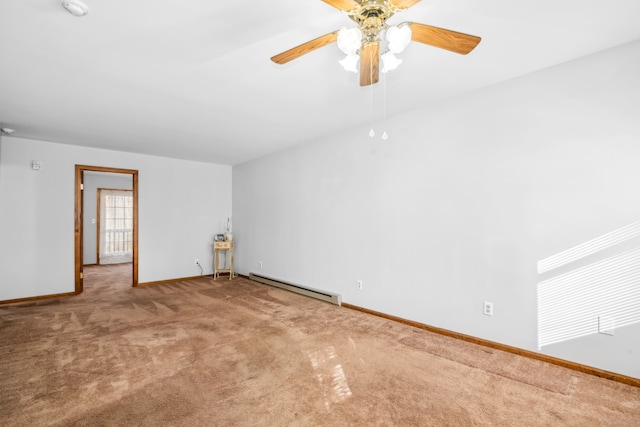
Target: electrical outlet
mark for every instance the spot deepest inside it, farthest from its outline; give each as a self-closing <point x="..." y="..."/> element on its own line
<point x="260" y="262"/>
<point x="487" y="308"/>
<point x="359" y="285"/>
<point x="197" y="261"/>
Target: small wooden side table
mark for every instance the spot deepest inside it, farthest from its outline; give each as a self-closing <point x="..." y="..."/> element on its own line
<point x="222" y="246"/>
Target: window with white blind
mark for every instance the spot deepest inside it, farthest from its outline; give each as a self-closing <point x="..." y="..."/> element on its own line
<point x="116" y="226"/>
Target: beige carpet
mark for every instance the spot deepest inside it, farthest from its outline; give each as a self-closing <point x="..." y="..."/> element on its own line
<point x="236" y="353"/>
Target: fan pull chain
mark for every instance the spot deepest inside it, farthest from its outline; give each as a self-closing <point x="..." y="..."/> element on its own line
<point x="371" y="132"/>
<point x="384" y="107"/>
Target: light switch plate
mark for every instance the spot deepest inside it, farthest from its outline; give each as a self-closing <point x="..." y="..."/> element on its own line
<point x="606" y="325"/>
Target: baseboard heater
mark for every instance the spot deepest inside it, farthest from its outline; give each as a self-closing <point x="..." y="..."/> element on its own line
<point x="310" y="292"/>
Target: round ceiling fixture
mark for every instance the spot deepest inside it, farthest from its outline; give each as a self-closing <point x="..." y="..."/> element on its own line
<point x="75" y="7"/>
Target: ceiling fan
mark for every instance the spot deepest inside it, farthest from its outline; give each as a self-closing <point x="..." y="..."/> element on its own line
<point x="374" y="36"/>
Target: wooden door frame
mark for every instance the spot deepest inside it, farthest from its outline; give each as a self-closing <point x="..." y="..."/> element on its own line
<point x="79" y="220"/>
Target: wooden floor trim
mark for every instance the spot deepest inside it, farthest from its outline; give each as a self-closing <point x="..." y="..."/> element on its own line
<point x="515" y="350"/>
<point x="39" y="297"/>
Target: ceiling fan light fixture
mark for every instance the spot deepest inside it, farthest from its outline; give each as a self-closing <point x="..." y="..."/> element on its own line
<point x="349" y="40"/>
<point x="389" y="62"/>
<point x="398" y="37"/>
<point x="75" y="7"/>
<point x="350" y="62"/>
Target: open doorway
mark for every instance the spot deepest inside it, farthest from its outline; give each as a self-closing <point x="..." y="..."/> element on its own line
<point x="89" y="179"/>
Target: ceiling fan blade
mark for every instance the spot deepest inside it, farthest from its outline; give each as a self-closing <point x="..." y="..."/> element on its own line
<point x="344" y="5"/>
<point x="444" y="39"/>
<point x="369" y="63"/>
<point x="310" y="46"/>
<point x="404" y="4"/>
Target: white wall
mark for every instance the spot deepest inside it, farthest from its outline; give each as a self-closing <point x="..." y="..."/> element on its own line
<point x="460" y="204"/>
<point x="182" y="204"/>
<point x="93" y="181"/>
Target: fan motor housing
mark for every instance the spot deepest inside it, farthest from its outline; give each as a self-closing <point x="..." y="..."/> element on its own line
<point x="371" y="17"/>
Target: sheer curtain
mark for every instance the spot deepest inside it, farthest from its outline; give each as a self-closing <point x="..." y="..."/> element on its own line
<point x="116" y="226"/>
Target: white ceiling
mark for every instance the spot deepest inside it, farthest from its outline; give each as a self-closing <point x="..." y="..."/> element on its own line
<point x="192" y="79"/>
